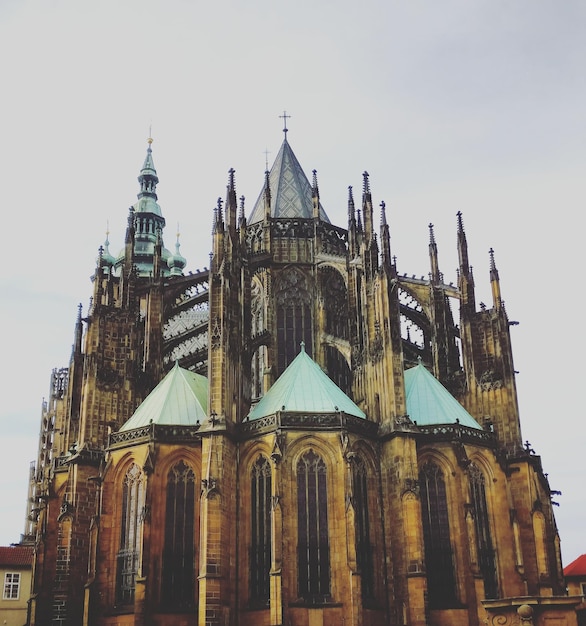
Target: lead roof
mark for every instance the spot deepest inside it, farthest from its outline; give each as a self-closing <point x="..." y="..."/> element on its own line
<point x="290" y="190"/>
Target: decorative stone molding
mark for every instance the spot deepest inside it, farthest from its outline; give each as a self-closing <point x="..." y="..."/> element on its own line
<point x="376" y="345"/>
<point x="490" y="380"/>
<point x="209" y="488"/>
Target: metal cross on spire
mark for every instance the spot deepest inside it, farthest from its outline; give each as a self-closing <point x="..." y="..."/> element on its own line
<point x="284" y="117"/>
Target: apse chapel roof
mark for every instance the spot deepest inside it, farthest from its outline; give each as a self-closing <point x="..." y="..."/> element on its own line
<point x="180" y="399"/>
<point x="290" y="190"/>
<point x="429" y="403"/>
<point x="304" y="387"/>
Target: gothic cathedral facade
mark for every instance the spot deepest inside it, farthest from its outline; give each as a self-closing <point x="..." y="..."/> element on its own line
<point x="297" y="436"/>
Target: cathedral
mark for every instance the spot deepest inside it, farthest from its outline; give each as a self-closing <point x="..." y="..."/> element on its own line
<point x="298" y="435"/>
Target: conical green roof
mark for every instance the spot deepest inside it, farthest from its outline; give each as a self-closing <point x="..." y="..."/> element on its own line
<point x="429" y="403"/>
<point x="304" y="387"/>
<point x="180" y="399"/>
<point x="291" y="193"/>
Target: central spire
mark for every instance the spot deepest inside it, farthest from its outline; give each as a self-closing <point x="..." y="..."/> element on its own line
<point x="289" y="188"/>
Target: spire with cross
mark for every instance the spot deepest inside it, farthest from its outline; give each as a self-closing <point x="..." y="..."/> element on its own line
<point x="285" y="117"/>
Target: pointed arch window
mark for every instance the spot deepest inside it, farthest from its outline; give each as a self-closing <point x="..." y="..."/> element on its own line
<point x="540" y="534"/>
<point x="258" y="326"/>
<point x="484" y="545"/>
<point x="178" y="580"/>
<point x="133" y="500"/>
<point x="335" y="297"/>
<point x="294" y="320"/>
<point x="260" y="544"/>
<point x="441" y="579"/>
<point x="364" y="552"/>
<point x="312" y="524"/>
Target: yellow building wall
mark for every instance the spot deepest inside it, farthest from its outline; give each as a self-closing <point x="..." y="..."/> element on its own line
<point x="14" y="612"/>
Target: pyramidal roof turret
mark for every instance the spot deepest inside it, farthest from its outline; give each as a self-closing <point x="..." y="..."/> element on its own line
<point x="304" y="387"/>
<point x="180" y="399"/>
<point x="429" y="403"/>
<point x="290" y="190"/>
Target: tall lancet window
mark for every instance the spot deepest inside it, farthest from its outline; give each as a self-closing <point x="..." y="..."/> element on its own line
<point x="258" y="326"/>
<point x="260" y="544"/>
<point x="294" y="323"/>
<point x="336" y="322"/>
<point x="335" y="295"/>
<point x="133" y="500"/>
<point x="364" y="553"/>
<point x="441" y="579"/>
<point x="177" y="583"/>
<point x="486" y="553"/>
<point x="312" y="523"/>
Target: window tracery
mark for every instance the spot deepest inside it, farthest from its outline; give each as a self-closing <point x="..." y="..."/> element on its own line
<point x="294" y="319"/>
<point x="312" y="523"/>
<point x="484" y="545"/>
<point x="133" y="501"/>
<point x="260" y="545"/>
<point x="177" y="584"/>
<point x="364" y="550"/>
<point x="441" y="580"/>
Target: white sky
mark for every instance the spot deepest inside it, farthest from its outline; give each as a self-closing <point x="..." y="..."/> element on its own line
<point x="475" y="106"/>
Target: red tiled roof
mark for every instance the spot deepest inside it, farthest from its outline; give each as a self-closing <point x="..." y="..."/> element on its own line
<point x="16" y="556"/>
<point x="577" y="567"/>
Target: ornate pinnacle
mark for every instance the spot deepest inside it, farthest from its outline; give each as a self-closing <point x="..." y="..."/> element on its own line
<point x="492" y="263"/>
<point x="460" y="222"/>
<point x="365" y="183"/>
<point x="383" y="213"/>
<point x="315" y="188"/>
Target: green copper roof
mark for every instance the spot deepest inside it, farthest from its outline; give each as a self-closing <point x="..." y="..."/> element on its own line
<point x="304" y="387"/>
<point x="291" y="194"/>
<point x="180" y="399"/>
<point x="429" y="403"/>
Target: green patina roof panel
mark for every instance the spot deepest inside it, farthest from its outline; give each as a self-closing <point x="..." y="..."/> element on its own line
<point x="429" y="403"/>
<point x="304" y="387"/>
<point x="180" y="399"/>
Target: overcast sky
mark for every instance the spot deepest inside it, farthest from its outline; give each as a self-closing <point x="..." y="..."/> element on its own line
<point x="472" y="106"/>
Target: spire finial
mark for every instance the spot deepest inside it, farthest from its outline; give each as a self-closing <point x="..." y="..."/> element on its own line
<point x="365" y="184"/>
<point x="315" y="189"/>
<point x="383" y="213"/>
<point x="266" y="153"/>
<point x="107" y="242"/>
<point x="284" y="117"/>
<point x="150" y="137"/>
<point x="460" y="222"/>
<point x="302" y="344"/>
<point x="351" y="213"/>
<point x="431" y="234"/>
<point x="492" y="263"/>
